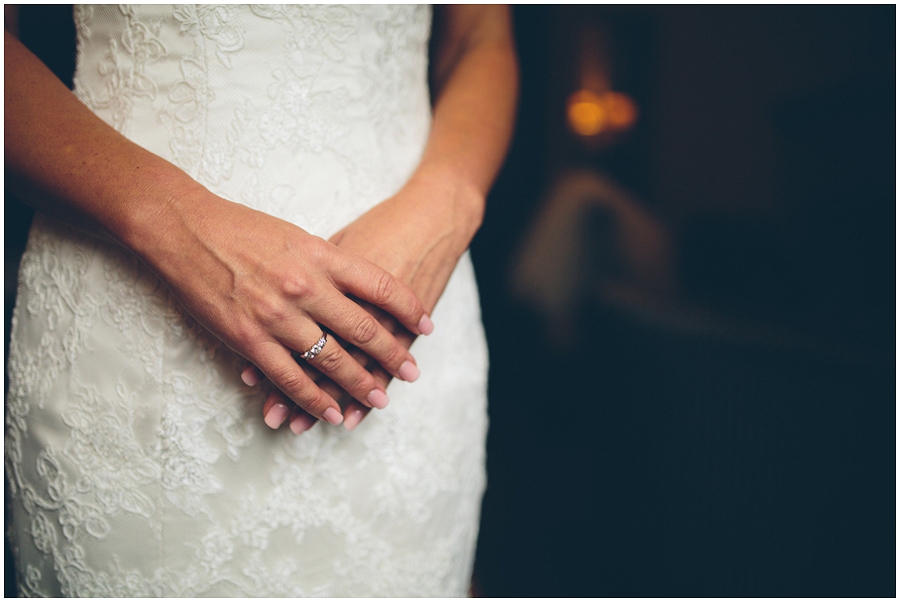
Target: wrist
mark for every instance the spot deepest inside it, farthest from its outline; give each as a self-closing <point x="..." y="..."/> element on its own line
<point x="160" y="214"/>
<point x="448" y="194"/>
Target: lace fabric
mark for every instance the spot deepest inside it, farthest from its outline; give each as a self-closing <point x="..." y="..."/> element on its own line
<point x="138" y="463"/>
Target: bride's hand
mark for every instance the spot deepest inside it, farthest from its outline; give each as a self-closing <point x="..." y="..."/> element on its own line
<point x="418" y="235"/>
<point x="267" y="288"/>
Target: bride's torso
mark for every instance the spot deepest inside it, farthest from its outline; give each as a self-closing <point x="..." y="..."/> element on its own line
<point x="137" y="462"/>
<point x="310" y="113"/>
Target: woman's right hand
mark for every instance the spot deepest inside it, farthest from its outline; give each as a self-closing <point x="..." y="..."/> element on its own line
<point x="267" y="288"/>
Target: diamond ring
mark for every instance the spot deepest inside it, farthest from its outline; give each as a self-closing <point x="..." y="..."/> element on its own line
<point x="315" y="349"/>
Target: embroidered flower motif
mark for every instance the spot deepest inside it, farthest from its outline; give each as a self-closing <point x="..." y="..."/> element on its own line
<point x="32" y="578"/>
<point x="124" y="69"/>
<point x="216" y="549"/>
<point x="42" y="533"/>
<point x="113" y="466"/>
<point x="213" y="24"/>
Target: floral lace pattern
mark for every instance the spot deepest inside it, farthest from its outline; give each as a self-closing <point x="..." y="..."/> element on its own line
<point x="137" y="462"/>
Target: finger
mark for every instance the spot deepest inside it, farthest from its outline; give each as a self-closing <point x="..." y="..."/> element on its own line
<point x="276" y="409"/>
<point x="277" y="405"/>
<point x="361" y="329"/>
<point x="403" y="336"/>
<point x="385" y="319"/>
<point x="335" y="363"/>
<point x="378" y="373"/>
<point x="251" y="375"/>
<point x="300" y="420"/>
<point x="365" y="280"/>
<point x="354" y="414"/>
<point x="279" y="367"/>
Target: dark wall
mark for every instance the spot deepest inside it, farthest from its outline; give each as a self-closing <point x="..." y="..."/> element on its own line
<point x="735" y="438"/>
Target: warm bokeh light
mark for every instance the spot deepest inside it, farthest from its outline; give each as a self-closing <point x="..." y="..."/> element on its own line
<point x="587" y="114"/>
<point x="590" y="114"/>
<point x="622" y="110"/>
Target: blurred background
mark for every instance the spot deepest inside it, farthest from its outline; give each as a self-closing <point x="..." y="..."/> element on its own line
<point x="688" y="283"/>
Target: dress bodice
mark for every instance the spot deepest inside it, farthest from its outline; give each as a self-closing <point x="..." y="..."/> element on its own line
<point x="267" y="105"/>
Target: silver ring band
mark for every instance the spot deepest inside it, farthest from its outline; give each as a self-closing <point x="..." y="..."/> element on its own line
<point x="315" y="349"/>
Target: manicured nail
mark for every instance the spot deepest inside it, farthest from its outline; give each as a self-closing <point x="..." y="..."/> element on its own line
<point x="301" y="423"/>
<point x="378" y="399"/>
<point x="250" y="376"/>
<point x="426" y="326"/>
<point x="352" y="417"/>
<point x="408" y="371"/>
<point x="276" y="415"/>
<point x="333" y="416"/>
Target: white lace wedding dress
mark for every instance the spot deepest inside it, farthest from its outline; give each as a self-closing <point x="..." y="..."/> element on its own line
<point x="137" y="462"/>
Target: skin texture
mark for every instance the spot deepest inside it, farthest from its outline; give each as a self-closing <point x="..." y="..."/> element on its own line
<point x="269" y="287"/>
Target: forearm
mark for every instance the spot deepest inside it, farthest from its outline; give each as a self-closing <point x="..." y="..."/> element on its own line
<point x="66" y="162"/>
<point x="476" y="84"/>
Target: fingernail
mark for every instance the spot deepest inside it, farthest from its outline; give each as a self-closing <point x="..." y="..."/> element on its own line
<point x="333" y="416"/>
<point x="378" y="399"/>
<point x="276" y="415"/>
<point x="408" y="371"/>
<point x="426" y="326"/>
<point x="249" y="376"/>
<point x="352" y="417"/>
<point x="301" y="423"/>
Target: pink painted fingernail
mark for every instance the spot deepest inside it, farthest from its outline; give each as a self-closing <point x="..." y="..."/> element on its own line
<point x="276" y="415"/>
<point x="250" y="376"/>
<point x="426" y="326"/>
<point x="378" y="399"/>
<point x="333" y="416"/>
<point x="408" y="371"/>
<point x="301" y="423"/>
<point x="352" y="417"/>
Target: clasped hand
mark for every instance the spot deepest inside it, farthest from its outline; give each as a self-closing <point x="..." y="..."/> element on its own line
<point x="269" y="289"/>
<point x="418" y="236"/>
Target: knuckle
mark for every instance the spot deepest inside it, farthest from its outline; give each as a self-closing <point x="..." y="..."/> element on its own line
<point x="362" y="382"/>
<point x="394" y="356"/>
<point x="322" y="251"/>
<point x="329" y="361"/>
<point x="272" y="311"/>
<point x="295" y="384"/>
<point x="317" y="401"/>
<point x="297" y="285"/>
<point x="246" y="334"/>
<point x="365" y="330"/>
<point x="384" y="289"/>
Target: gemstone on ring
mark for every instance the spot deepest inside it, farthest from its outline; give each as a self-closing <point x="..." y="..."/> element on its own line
<point x="315" y="349"/>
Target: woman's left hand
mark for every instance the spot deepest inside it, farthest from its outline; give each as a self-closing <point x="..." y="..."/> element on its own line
<point x="418" y="235"/>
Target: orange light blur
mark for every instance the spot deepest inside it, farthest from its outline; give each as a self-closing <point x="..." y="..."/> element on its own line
<point x="587" y="113"/>
<point x="622" y="110"/>
<point x="590" y="114"/>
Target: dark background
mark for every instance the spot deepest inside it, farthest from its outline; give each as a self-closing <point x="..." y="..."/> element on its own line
<point x="732" y="433"/>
